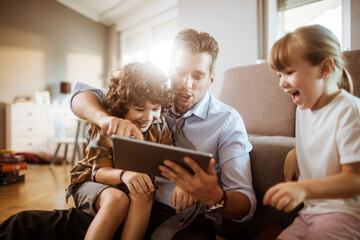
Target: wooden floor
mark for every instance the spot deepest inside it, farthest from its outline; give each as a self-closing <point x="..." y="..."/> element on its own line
<point x="43" y="189"/>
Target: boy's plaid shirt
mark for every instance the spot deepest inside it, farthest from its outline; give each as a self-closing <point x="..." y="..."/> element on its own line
<point x="100" y="148"/>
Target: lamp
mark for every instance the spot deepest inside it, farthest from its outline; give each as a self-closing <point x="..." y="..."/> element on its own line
<point x="65" y="90"/>
<point x="65" y="87"/>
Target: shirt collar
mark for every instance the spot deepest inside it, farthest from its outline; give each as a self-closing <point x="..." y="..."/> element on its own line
<point x="200" y="109"/>
<point x="157" y="121"/>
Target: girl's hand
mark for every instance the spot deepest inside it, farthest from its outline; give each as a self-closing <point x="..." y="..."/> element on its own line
<point x="291" y="167"/>
<point x="139" y="184"/>
<point x="285" y="196"/>
<point x="181" y="200"/>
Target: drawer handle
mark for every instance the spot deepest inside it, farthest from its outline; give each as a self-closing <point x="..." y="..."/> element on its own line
<point x="29" y="114"/>
<point x="29" y="144"/>
<point x="30" y="129"/>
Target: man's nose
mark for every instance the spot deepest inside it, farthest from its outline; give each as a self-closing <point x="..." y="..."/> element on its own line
<point x="187" y="81"/>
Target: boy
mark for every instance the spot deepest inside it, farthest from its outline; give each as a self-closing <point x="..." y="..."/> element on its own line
<point x="137" y="93"/>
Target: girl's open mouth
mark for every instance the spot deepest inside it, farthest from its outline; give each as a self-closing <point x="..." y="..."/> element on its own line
<point x="295" y="96"/>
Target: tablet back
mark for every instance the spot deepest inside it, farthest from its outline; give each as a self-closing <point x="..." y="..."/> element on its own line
<point x="142" y="156"/>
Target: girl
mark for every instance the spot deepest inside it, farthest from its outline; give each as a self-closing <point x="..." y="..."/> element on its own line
<point x="312" y="73"/>
<point x="137" y="92"/>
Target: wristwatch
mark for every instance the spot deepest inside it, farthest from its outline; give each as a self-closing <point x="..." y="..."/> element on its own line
<point x="217" y="207"/>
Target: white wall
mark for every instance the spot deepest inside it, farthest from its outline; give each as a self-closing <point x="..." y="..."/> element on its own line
<point x="42" y="43"/>
<point x="233" y="23"/>
<point x="354" y="23"/>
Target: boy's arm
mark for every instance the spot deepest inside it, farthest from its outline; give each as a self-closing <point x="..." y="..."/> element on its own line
<point x="87" y="105"/>
<point x="138" y="184"/>
<point x="180" y="200"/>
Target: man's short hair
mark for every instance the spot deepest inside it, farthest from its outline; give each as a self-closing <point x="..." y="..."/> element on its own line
<point x="197" y="42"/>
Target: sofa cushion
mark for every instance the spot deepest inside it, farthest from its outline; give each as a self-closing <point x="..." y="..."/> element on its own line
<point x="255" y="93"/>
<point x="352" y="60"/>
<point x="267" y="163"/>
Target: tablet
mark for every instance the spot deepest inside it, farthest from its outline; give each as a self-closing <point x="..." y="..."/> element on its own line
<point x="145" y="157"/>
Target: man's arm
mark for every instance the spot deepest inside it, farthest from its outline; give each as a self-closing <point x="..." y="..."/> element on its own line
<point x="87" y="105"/>
<point x="203" y="186"/>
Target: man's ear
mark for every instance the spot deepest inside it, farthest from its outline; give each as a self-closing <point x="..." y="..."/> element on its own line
<point x="212" y="78"/>
<point x="327" y="66"/>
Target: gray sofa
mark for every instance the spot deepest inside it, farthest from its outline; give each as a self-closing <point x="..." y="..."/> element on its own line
<point x="269" y="117"/>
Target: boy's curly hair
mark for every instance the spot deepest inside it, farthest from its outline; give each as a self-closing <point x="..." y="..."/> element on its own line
<point x="133" y="85"/>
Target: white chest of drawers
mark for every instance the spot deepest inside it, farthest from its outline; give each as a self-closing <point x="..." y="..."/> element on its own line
<point x="29" y="128"/>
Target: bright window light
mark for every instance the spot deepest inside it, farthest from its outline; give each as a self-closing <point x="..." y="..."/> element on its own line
<point x="161" y="55"/>
<point x="325" y="12"/>
<point x="153" y="44"/>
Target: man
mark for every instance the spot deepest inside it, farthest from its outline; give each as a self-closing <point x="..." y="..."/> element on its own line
<point x="225" y="188"/>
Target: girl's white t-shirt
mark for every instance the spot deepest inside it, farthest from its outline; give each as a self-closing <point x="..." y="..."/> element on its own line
<point x="326" y="139"/>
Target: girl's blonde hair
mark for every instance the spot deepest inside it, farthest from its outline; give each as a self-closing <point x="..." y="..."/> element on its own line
<point x="316" y="43"/>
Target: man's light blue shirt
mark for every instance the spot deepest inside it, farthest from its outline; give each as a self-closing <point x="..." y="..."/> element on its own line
<point x="214" y="127"/>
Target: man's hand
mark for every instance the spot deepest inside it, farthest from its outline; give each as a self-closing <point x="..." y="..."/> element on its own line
<point x="285" y="196"/>
<point x="180" y="200"/>
<point x="86" y="105"/>
<point x="139" y="184"/>
<point x="122" y="127"/>
<point x="202" y="185"/>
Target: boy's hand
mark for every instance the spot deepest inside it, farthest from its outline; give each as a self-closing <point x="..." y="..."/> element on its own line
<point x="139" y="184"/>
<point x="285" y="196"/>
<point x="202" y="184"/>
<point x="122" y="127"/>
<point x="180" y="200"/>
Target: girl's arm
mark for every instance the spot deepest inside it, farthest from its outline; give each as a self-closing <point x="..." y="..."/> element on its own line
<point x="291" y="167"/>
<point x="342" y="185"/>
<point x="286" y="196"/>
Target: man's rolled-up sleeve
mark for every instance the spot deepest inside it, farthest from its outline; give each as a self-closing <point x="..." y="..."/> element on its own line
<point x="234" y="160"/>
<point x="82" y="87"/>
